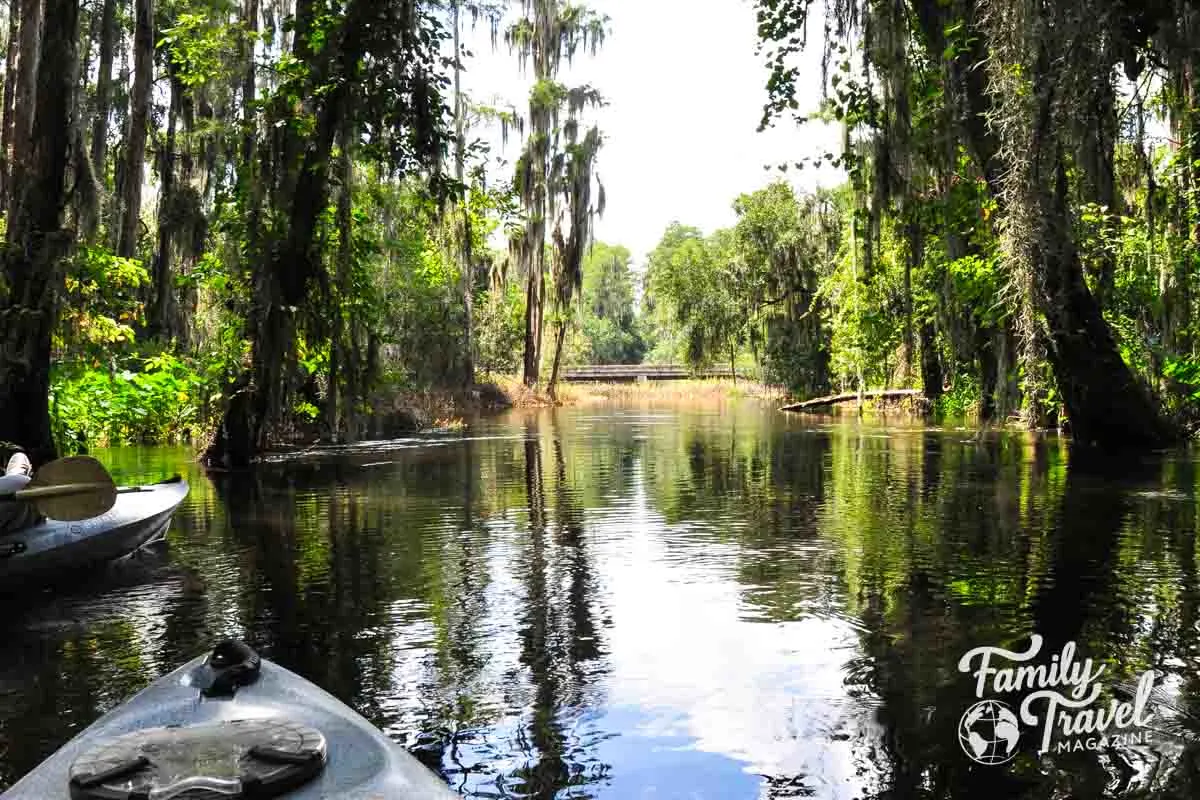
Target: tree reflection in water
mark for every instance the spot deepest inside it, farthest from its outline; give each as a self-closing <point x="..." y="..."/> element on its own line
<point x="618" y="602"/>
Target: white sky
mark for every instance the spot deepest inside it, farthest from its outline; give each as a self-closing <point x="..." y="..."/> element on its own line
<point x="685" y="92"/>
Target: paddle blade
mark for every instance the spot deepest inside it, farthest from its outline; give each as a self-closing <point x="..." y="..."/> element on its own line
<point x="87" y="489"/>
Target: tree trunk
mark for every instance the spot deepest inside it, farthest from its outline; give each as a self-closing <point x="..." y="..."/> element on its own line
<point x="189" y="240"/>
<point x="1106" y="404"/>
<point x="468" y="277"/>
<point x="465" y="256"/>
<point x="11" y="68"/>
<point x="135" y="153"/>
<point x="536" y="194"/>
<point x="560" y="338"/>
<point x="1008" y="394"/>
<point x="161" y="322"/>
<point x="353" y="390"/>
<point x="33" y="265"/>
<point x="108" y="36"/>
<point x="251" y="185"/>
<point x="345" y="259"/>
<point x="533" y="322"/>
<point x="931" y="364"/>
<point x="1176" y="274"/>
<point x="1098" y="178"/>
<point x="988" y="372"/>
<point x="26" y="100"/>
<point x="283" y="280"/>
<point x="915" y="251"/>
<point x="85" y="191"/>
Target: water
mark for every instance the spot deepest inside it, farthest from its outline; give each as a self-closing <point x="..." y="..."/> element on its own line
<point x="621" y="603"/>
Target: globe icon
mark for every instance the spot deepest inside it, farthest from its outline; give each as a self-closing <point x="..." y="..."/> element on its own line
<point x="988" y="732"/>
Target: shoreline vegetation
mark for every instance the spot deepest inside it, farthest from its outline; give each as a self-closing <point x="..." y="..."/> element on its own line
<point x="213" y="228"/>
<point x="396" y="412"/>
<point x="404" y="411"/>
<point x="410" y="413"/>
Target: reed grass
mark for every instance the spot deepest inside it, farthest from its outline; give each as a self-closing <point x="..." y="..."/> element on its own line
<point x="678" y="393"/>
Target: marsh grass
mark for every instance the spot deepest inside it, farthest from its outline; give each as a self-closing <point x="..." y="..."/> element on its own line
<point x="676" y="393"/>
<point x="453" y="409"/>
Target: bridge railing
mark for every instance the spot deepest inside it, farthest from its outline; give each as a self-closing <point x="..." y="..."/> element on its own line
<point x="633" y="372"/>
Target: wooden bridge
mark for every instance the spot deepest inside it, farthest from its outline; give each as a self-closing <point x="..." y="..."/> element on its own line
<point x="624" y="373"/>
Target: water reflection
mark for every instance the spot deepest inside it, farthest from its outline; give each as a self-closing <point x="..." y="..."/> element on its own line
<point x="624" y="603"/>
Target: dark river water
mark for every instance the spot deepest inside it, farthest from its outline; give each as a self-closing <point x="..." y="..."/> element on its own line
<point x="656" y="603"/>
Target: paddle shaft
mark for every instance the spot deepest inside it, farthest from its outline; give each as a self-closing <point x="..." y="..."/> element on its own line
<point x="69" y="489"/>
<point x="54" y="491"/>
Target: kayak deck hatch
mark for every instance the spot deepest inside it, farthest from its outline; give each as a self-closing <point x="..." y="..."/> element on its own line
<point x="252" y="758"/>
<point x="230" y="725"/>
<point x="239" y="758"/>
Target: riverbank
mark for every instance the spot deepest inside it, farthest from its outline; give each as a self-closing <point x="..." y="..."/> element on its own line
<point x="401" y="412"/>
<point x="685" y="393"/>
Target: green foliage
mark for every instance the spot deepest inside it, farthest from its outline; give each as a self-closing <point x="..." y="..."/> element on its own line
<point x="691" y="279"/>
<point x="609" y="325"/>
<point x="416" y="285"/>
<point x="783" y="248"/>
<point x="202" y="48"/>
<point x="500" y="330"/>
<point x="161" y="402"/>
<point x="865" y="313"/>
<point x="962" y="401"/>
<point x="1186" y="373"/>
<point x="102" y="303"/>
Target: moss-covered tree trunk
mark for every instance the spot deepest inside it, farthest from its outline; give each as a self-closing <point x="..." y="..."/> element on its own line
<point x="466" y="266"/>
<point x="33" y="262"/>
<point x="139" y="119"/>
<point x="1106" y="405"/>
<point x="1096" y="158"/>
<point x="162" y="316"/>
<point x="10" y="87"/>
<point x="931" y="362"/>
<point x="986" y="358"/>
<point x="250" y="184"/>
<point x="535" y="294"/>
<point x="1183" y="218"/>
<point x="286" y="272"/>
<point x="25" y="99"/>
<point x="108" y="38"/>
<point x="1104" y="401"/>
<point x="341" y="361"/>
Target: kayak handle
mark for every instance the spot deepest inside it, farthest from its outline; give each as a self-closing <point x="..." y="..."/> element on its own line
<point x="230" y="665"/>
<point x="134" y="489"/>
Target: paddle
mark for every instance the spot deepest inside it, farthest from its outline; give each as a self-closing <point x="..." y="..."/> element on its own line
<point x="69" y="489"/>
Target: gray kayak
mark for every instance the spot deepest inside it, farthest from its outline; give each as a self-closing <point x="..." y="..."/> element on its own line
<point x="53" y="547"/>
<point x="229" y="725"/>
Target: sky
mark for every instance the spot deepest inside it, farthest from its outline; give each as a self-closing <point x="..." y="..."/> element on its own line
<point x="685" y="94"/>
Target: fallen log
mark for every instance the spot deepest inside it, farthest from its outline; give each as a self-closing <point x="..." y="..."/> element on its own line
<point x="872" y="394"/>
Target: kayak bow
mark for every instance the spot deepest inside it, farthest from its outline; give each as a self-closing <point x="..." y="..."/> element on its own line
<point x="54" y="547"/>
<point x="230" y="725"/>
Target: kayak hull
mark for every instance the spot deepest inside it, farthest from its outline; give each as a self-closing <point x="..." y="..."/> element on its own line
<point x="54" y="547"/>
<point x="361" y="762"/>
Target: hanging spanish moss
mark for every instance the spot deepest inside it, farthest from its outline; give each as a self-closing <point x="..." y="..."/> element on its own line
<point x="548" y="33"/>
<point x="1005" y="103"/>
<point x="577" y="176"/>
